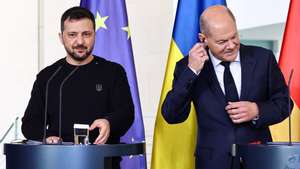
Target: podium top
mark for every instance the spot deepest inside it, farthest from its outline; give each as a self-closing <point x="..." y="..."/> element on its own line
<point x="273" y="155"/>
<point x="105" y="150"/>
<point x="41" y="156"/>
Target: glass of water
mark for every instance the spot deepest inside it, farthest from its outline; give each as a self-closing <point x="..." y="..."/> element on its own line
<point x="81" y="134"/>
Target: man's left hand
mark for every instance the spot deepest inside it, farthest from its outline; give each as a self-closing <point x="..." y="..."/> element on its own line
<point x="104" y="130"/>
<point x="242" y="111"/>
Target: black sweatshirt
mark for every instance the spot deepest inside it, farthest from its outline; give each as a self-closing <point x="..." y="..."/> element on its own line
<point x="96" y="90"/>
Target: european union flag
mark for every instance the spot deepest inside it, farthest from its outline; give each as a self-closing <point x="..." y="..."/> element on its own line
<point x="113" y="42"/>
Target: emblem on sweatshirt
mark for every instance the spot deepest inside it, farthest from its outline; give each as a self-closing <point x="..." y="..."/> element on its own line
<point x="99" y="87"/>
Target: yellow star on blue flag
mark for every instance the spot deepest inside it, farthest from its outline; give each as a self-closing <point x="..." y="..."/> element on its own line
<point x="100" y="21"/>
<point x="126" y="29"/>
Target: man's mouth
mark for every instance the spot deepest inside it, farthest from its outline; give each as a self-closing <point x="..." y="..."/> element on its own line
<point x="80" y="49"/>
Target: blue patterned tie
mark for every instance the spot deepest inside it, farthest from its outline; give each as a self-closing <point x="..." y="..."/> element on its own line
<point x="231" y="93"/>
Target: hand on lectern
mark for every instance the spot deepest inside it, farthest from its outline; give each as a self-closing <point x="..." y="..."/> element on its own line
<point x="52" y="140"/>
<point x="104" y="130"/>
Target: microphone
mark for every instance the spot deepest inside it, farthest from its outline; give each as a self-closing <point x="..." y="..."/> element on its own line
<point x="289" y="106"/>
<point x="60" y="101"/>
<point x="46" y="102"/>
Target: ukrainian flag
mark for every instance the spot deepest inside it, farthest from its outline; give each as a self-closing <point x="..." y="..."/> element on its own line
<point x="174" y="145"/>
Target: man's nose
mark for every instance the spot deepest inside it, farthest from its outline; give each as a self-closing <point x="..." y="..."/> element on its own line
<point x="230" y="44"/>
<point x="80" y="39"/>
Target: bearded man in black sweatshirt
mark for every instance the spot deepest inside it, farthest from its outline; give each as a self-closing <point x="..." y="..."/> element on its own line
<point x="80" y="88"/>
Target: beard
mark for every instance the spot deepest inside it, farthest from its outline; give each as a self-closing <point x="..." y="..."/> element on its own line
<point x="76" y="56"/>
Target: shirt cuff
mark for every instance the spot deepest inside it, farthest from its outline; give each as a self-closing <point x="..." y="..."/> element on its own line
<point x="255" y="119"/>
<point x="195" y="71"/>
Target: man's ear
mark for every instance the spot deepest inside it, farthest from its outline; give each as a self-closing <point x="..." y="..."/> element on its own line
<point x="201" y="37"/>
<point x="60" y="35"/>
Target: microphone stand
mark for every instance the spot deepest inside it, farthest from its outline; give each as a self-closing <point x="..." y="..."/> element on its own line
<point x="289" y="107"/>
<point x="46" y="103"/>
<point x="60" y="101"/>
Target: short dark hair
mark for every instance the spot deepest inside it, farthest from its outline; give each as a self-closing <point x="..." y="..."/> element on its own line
<point x="76" y="13"/>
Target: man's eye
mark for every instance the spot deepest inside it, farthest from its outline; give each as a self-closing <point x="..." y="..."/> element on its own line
<point x="221" y="42"/>
<point x="87" y="34"/>
<point x="72" y="35"/>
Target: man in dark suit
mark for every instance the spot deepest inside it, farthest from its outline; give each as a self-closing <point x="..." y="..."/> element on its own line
<point x="237" y="91"/>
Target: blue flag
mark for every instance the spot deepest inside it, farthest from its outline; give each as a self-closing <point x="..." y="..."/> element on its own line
<point x="113" y="43"/>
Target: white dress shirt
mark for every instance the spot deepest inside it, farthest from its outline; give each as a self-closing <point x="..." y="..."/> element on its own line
<point x="235" y="69"/>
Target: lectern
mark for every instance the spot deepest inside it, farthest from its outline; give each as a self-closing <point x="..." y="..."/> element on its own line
<point x="26" y="156"/>
<point x="270" y="156"/>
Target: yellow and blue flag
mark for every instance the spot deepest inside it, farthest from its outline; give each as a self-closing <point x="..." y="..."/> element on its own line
<point x="174" y="145"/>
<point x="113" y="42"/>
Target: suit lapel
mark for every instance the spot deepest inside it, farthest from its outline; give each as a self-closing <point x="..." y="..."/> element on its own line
<point x="211" y="78"/>
<point x="247" y="68"/>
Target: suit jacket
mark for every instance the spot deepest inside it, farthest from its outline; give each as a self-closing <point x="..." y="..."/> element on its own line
<point x="262" y="83"/>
